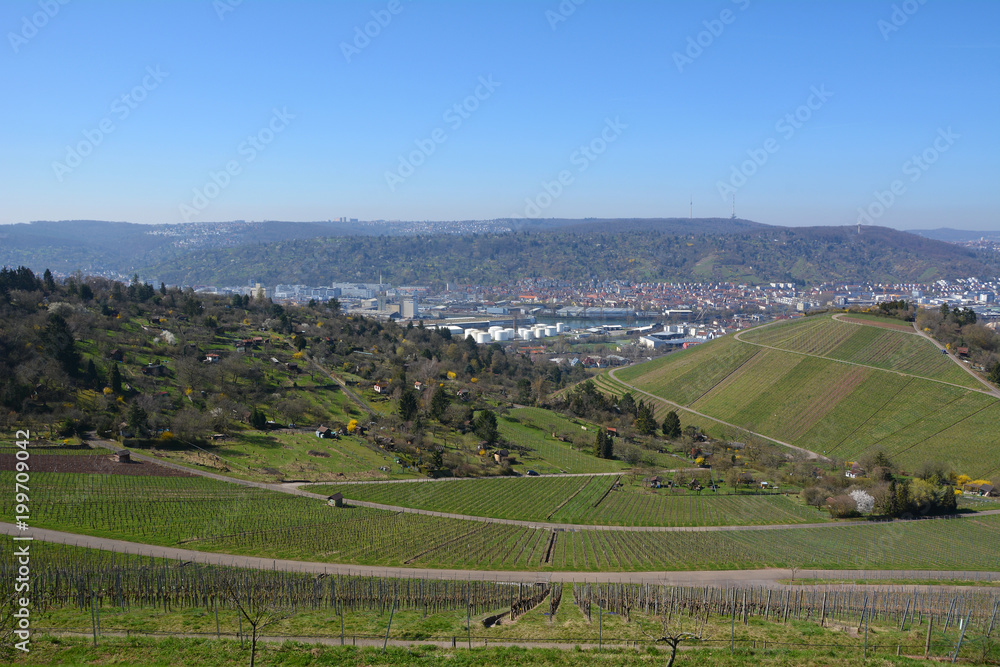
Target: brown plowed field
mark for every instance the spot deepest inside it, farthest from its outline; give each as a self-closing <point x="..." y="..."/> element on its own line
<point x="89" y="463"/>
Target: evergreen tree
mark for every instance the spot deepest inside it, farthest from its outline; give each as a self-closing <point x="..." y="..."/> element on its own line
<point x="994" y="376"/>
<point x="485" y="426"/>
<point x="91" y="375"/>
<point x="609" y="446"/>
<point x="115" y="379"/>
<point x="626" y="403"/>
<point x="645" y="423"/>
<point x="439" y="403"/>
<point x="903" y="498"/>
<point x="407" y="407"/>
<point x="60" y="344"/>
<point x="257" y="419"/>
<point x="48" y="281"/>
<point x="599" y="446"/>
<point x="672" y="425"/>
<point x="136" y="419"/>
<point x="892" y="501"/>
<point x="949" y="501"/>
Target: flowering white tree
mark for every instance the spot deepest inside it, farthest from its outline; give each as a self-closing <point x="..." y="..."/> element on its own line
<point x="864" y="501"/>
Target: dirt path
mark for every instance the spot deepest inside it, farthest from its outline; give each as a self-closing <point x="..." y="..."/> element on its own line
<point x="445" y="480"/>
<point x="990" y="389"/>
<point x="343" y="385"/>
<point x="461" y="640"/>
<point x="293" y="490"/>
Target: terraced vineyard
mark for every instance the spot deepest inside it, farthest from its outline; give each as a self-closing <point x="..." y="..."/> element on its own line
<point x="202" y="514"/>
<point x="857" y="342"/>
<point x="582" y="500"/>
<point x="833" y="408"/>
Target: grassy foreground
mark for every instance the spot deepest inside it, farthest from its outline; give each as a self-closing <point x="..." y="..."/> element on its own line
<point x="79" y="651"/>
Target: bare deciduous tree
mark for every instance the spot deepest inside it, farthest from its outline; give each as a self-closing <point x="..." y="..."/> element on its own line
<point x="673" y="634"/>
<point x="259" y="603"/>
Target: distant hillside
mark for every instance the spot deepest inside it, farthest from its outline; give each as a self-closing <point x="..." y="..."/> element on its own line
<point x="631" y="250"/>
<point x="836" y="388"/>
<point x="956" y="235"/>
<point x="682" y="249"/>
<point x="100" y="246"/>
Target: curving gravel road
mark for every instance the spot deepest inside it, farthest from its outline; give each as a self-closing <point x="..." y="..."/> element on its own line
<point x="768" y="577"/>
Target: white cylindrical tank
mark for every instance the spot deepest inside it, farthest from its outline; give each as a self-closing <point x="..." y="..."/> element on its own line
<point x="525" y="334"/>
<point x="483" y="337"/>
<point x="550" y="331"/>
<point x="561" y="328"/>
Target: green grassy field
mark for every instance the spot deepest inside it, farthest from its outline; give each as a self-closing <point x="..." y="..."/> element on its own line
<point x="533" y="429"/>
<point x="584" y="500"/>
<point x="281" y="455"/>
<point x="836" y="409"/>
<point x="202" y="514"/>
<point x="796" y="644"/>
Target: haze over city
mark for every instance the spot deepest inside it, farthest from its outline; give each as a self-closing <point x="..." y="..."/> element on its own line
<point x="815" y="113"/>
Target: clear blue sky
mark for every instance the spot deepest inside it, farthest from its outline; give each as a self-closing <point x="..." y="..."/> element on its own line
<point x="677" y="127"/>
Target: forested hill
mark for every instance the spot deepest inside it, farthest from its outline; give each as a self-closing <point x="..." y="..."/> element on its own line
<point x="638" y="251"/>
<point x="681" y="249"/>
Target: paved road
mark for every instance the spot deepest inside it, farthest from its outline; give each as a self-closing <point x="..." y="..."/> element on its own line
<point x="768" y="577"/>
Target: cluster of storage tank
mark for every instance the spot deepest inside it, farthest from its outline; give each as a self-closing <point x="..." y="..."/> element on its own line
<point x="541" y="331"/>
<point x="497" y="333"/>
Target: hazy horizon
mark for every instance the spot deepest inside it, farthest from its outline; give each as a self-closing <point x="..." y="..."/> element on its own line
<point x="810" y="114"/>
<point x="457" y="220"/>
